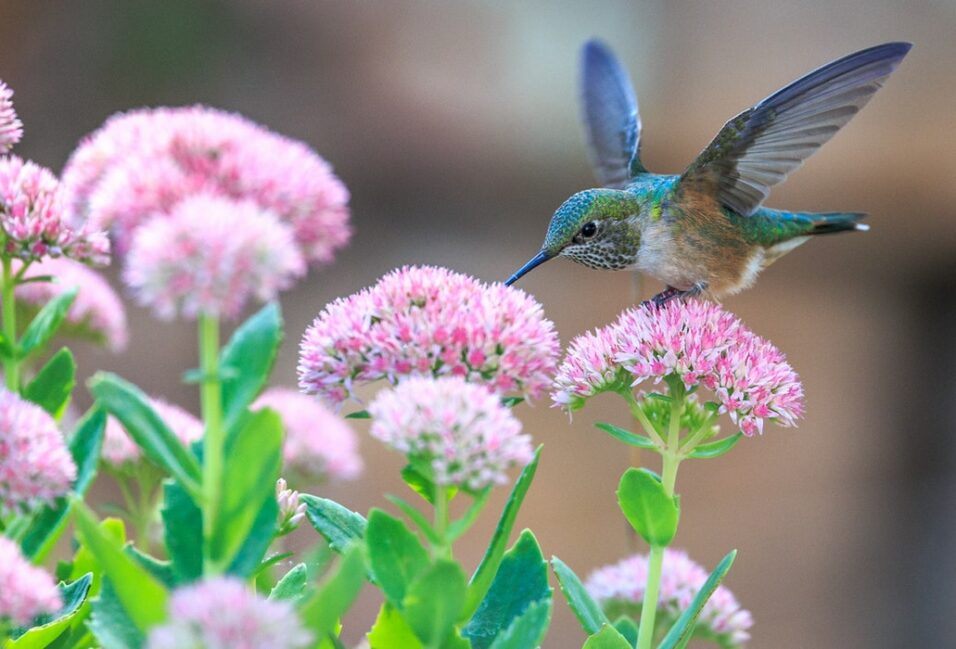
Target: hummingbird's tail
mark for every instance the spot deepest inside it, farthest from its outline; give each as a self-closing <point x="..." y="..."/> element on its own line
<point x="830" y="222"/>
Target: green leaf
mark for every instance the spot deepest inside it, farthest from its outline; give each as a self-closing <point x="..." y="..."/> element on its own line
<point x="48" y="628"/>
<point x="679" y="635"/>
<point x="160" y="445"/>
<point x="52" y="386"/>
<point x="248" y="559"/>
<point x="511" y="402"/>
<point x="434" y="600"/>
<point x="647" y="507"/>
<point x="419" y="483"/>
<point x="322" y="610"/>
<point x="50" y="520"/>
<point x="627" y="628"/>
<point x="485" y="573"/>
<point x="293" y="584"/>
<point x="111" y="622"/>
<point x="253" y="459"/>
<point x="182" y="532"/>
<point x="395" y="554"/>
<point x="526" y="630"/>
<point x="161" y="570"/>
<point x="139" y="593"/>
<point x="459" y="527"/>
<point x="588" y="612"/>
<point x="521" y="580"/>
<point x="337" y="524"/>
<point x="607" y="638"/>
<point x="251" y="353"/>
<point x="391" y="631"/>
<point x="716" y="449"/>
<point x="359" y="414"/>
<point x="46" y="322"/>
<point x="627" y="436"/>
<point x="416" y="517"/>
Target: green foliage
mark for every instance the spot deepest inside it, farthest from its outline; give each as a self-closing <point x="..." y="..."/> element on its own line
<point x="588" y="612"/>
<point x="647" y="507"/>
<point x="182" y="532"/>
<point x="607" y="638"/>
<point x="112" y="622"/>
<point x="627" y="628"/>
<point x="45" y="324"/>
<point x="52" y="386"/>
<point x="419" y="483"/>
<point x="716" y="449"/>
<point x="680" y="634"/>
<point x="627" y="436"/>
<point x="526" y="630"/>
<point x="335" y="595"/>
<point x="337" y="524"/>
<point x="396" y="556"/>
<point x="47" y="629"/>
<point x="416" y="517"/>
<point x="247" y="359"/>
<point x="293" y="584"/>
<point x="433" y="602"/>
<point x="391" y="630"/>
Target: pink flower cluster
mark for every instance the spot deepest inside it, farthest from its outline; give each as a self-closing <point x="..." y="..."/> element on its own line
<point x="119" y="450"/>
<point x="318" y="443"/>
<point x="35" y="464"/>
<point x="429" y="321"/>
<point x="143" y="163"/>
<point x="31" y="217"/>
<point x="291" y="508"/>
<point x="97" y="311"/>
<point x="697" y="342"/>
<point x="460" y="430"/>
<point x="223" y="613"/>
<point x="620" y="588"/>
<point x="211" y="255"/>
<point x="25" y="590"/>
<point x="11" y="128"/>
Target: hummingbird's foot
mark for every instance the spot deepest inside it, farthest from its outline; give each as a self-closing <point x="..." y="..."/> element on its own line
<point x="671" y="293"/>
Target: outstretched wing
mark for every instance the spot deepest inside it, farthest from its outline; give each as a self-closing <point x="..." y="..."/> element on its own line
<point x="757" y="149"/>
<point x="611" y="120"/>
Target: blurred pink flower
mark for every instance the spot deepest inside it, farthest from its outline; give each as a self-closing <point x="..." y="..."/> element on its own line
<point x="145" y="162"/>
<point x="97" y="311"/>
<point x="120" y="450"/>
<point x="460" y="430"/>
<point x="224" y="613"/>
<point x="619" y="588"/>
<point x="317" y="441"/>
<point x="429" y="321"/>
<point x="697" y="342"/>
<point x="210" y="255"/>
<point x="11" y="128"/>
<point x="31" y="217"/>
<point x="25" y="590"/>
<point x="35" y="464"/>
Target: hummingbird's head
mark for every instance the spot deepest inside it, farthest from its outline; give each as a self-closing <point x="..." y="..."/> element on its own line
<point x="596" y="227"/>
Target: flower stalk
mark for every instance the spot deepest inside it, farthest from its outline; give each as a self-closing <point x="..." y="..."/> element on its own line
<point x="214" y="438"/>
<point x="11" y="364"/>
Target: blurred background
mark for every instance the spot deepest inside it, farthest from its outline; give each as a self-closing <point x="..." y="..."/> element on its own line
<point x="455" y="127"/>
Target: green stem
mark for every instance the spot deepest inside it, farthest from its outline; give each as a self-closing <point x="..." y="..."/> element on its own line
<point x="11" y="364"/>
<point x="640" y="416"/>
<point x="441" y="522"/>
<point x="691" y="442"/>
<point x="214" y="438"/>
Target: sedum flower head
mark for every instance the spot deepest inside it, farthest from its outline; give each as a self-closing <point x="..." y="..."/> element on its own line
<point x="619" y="589"/>
<point x="11" y="128"/>
<point x="35" y="464"/>
<point x="291" y="508"/>
<point x="696" y="342"/>
<point x="317" y="441"/>
<point x="145" y="162"/>
<point x="429" y="321"/>
<point x="97" y="311"/>
<point x="25" y="590"/>
<point x="460" y="431"/>
<point x="211" y="255"/>
<point x="119" y="450"/>
<point x="222" y="613"/>
<point x="31" y="217"/>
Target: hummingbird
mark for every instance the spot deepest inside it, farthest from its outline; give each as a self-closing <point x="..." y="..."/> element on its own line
<point x="705" y="231"/>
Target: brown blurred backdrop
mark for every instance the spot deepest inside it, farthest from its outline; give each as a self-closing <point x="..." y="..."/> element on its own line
<point x="455" y="127"/>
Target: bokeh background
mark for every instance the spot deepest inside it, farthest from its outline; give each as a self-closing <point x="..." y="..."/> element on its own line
<point x="455" y="127"/>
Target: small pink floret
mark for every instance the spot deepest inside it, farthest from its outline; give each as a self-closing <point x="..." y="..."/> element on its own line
<point x="25" y="590"/>
<point x="11" y="128"/>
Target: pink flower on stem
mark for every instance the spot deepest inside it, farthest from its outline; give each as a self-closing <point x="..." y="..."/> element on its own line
<point x="223" y="613"/>
<point x="619" y="588"/>
<point x="119" y="450"/>
<point x="211" y="255"/>
<point x="11" y="128"/>
<point x="35" y="464"/>
<point x="461" y="431"/>
<point x="427" y="321"/>
<point x="317" y="441"/>
<point x="25" y="590"/>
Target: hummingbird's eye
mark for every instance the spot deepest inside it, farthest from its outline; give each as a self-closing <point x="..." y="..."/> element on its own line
<point x="589" y="230"/>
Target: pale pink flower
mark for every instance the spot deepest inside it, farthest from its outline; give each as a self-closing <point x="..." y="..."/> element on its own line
<point x="120" y="450"/>
<point x="11" y="128"/>
<point x="223" y="613"/>
<point x="317" y="441"/>
<point x="696" y="342"/>
<point x="291" y="508"/>
<point x="619" y="588"/>
<point x="31" y="217"/>
<point x="97" y="311"/>
<point x="427" y="321"/>
<point x="211" y="255"/>
<point x="35" y="464"/>
<point x="461" y="431"/>
<point x="144" y="162"/>
<point x="25" y="590"/>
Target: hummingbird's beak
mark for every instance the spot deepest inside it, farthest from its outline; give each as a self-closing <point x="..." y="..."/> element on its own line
<point x="534" y="262"/>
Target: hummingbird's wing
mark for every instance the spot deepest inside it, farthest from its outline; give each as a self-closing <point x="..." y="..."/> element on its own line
<point x="611" y="121"/>
<point x="757" y="149"/>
